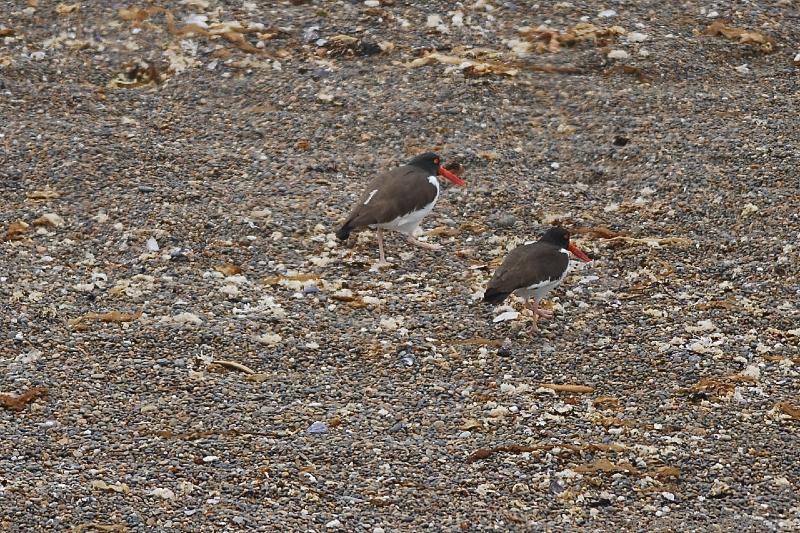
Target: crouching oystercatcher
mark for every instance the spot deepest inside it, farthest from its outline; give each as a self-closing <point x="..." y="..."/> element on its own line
<point x="533" y="270"/>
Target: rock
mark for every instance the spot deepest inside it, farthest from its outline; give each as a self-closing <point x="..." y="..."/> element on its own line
<point x="719" y="489"/>
<point x="318" y="427"/>
<point x="507" y="315"/>
<point x="182" y="318"/>
<point x="618" y="54"/>
<point x="166" y="494"/>
<point x="506" y="221"/>
<point x="49" y="219"/>
<point x="557" y="486"/>
<point x="407" y="359"/>
<point x="636" y="37"/>
<point x="433" y="21"/>
<point x="311" y="34"/>
<point x="548" y="349"/>
<point x="399" y="426"/>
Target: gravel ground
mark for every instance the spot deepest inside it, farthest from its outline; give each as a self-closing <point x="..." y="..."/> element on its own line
<point x="196" y="352"/>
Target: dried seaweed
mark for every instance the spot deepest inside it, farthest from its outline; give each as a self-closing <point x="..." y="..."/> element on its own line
<point x="612" y="421"/>
<point x="470" y="67"/>
<point x="233" y="33"/>
<point x="442" y="231"/>
<point x="67" y="9"/>
<point x="606" y="402"/>
<point x="628" y="69"/>
<point x="110" y="316"/>
<point x="347" y="46"/>
<point x="605" y="466"/>
<point x="221" y="363"/>
<point x="601" y="232"/>
<point x="485" y="453"/>
<point x="18" y="402"/>
<point x="580" y="389"/>
<point x="653" y="241"/>
<point x="550" y="40"/>
<point x="720" y="28"/>
<point x="446" y="231"/>
<point x="96" y="526"/>
<point x="121" y="488"/>
<point x="137" y="74"/>
<point x="274" y="280"/>
<point x="456" y="167"/>
<point x="664" y="472"/>
<point x="43" y="195"/>
<point x="228" y="269"/>
<point x="16" y="230"/>
<point x="709" y="387"/>
<point x="729" y="303"/>
<point x="789" y="409"/>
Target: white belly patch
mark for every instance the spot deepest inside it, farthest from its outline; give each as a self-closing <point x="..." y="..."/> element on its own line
<point x="540" y="290"/>
<point x="409" y="222"/>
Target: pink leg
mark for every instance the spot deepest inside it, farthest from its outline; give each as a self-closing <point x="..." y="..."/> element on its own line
<point x="544" y="313"/>
<point x="537" y="312"/>
<point x="380" y="245"/>
<point x="531" y="304"/>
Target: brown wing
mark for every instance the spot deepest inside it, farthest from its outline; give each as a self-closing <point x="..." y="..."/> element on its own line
<point x="390" y="195"/>
<point x="528" y="265"/>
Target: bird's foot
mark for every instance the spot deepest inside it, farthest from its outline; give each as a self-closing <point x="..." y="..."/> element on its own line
<point x="537" y="312"/>
<point x="426" y="245"/>
<point x="381" y="263"/>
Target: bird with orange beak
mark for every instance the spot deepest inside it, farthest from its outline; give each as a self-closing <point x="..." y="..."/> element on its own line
<point x="399" y="199"/>
<point x="533" y="270"/>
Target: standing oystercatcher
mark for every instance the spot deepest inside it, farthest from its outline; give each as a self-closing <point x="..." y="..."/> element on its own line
<point x="534" y="270"/>
<point x="399" y="199"/>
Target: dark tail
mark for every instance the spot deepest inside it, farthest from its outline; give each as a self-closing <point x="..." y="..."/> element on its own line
<point x="344" y="232"/>
<point x="494" y="297"/>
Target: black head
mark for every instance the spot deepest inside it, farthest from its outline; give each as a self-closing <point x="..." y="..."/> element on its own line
<point x="557" y="236"/>
<point x="429" y="162"/>
<point x="560" y="237"/>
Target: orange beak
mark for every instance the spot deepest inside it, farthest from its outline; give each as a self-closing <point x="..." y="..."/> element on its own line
<point x="577" y="252"/>
<point x="452" y="177"/>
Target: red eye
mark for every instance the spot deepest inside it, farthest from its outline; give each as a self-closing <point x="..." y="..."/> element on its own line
<point x="436" y="161"/>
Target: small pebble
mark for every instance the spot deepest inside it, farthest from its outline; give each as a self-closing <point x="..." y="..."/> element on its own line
<point x="318" y="427"/>
<point x="506" y="221"/>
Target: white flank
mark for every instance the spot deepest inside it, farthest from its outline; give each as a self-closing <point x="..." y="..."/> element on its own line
<point x="409" y="222"/>
<point x="540" y="290"/>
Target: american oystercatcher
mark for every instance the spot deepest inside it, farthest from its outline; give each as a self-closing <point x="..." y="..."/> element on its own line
<point x="533" y="270"/>
<point x="399" y="199"/>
